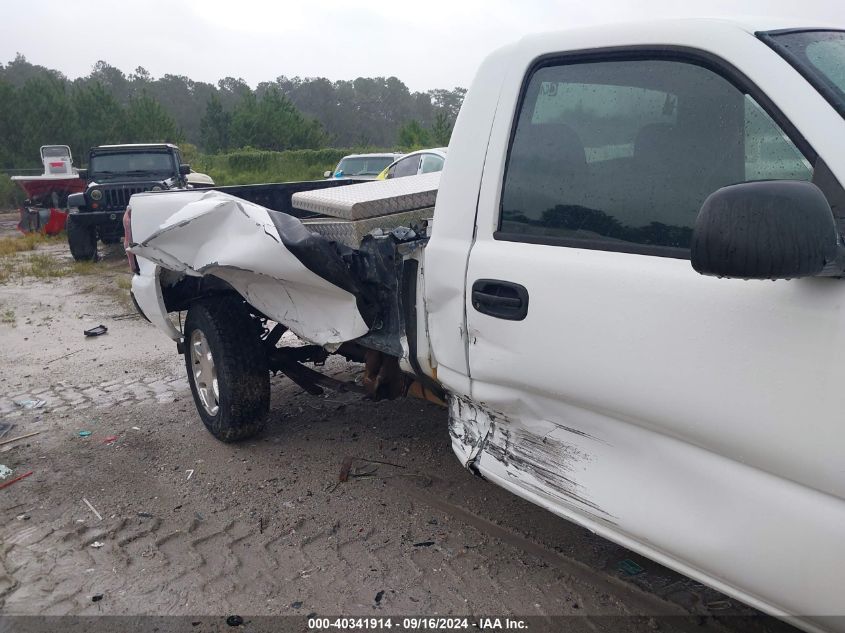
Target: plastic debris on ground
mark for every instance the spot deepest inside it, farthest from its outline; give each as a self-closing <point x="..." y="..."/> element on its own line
<point x="96" y="331"/>
<point x="108" y="441"/>
<point x="84" y="433"/>
<point x="630" y="568"/>
<point x="31" y="403"/>
<point x="97" y="544"/>
<point x="5" y="471"/>
<point x="5" y="427"/>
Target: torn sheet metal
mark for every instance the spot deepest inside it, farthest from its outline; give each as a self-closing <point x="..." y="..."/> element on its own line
<point x="241" y="243"/>
<point x="371" y="199"/>
<point x="469" y="425"/>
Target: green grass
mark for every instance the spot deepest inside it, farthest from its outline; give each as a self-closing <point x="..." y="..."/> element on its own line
<point x="50" y="266"/>
<point x="9" y="317"/>
<point x="21" y="243"/>
<point x="43" y="265"/>
<point x="87" y="268"/>
<point x="109" y="277"/>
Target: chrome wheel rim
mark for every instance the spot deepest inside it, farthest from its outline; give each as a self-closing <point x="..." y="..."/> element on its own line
<point x="205" y="373"/>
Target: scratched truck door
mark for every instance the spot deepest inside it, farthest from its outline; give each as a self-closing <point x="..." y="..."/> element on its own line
<point x="690" y="417"/>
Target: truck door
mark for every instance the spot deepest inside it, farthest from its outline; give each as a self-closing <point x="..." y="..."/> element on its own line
<point x="698" y="420"/>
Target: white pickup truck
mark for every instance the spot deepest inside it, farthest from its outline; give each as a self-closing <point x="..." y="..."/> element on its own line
<point x="593" y="298"/>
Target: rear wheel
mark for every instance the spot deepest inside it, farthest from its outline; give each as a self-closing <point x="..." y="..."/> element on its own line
<point x="227" y="368"/>
<point x="82" y="240"/>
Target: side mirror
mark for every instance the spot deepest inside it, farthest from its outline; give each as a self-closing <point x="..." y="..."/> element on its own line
<point x="76" y="200"/>
<point x="82" y="173"/>
<point x="184" y="169"/>
<point x="327" y="174"/>
<point x="773" y="229"/>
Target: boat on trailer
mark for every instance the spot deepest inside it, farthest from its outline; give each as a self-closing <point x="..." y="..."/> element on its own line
<point x="45" y="208"/>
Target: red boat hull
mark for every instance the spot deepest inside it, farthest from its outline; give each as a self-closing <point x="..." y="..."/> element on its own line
<point x="40" y="186"/>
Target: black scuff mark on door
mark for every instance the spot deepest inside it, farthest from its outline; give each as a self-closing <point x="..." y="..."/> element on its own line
<point x="542" y="463"/>
<point x="569" y="429"/>
<point x="545" y="459"/>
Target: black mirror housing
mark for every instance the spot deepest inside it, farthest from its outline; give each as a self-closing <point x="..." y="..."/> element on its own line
<point x="184" y="169"/>
<point x="82" y="173"/>
<point x="772" y="229"/>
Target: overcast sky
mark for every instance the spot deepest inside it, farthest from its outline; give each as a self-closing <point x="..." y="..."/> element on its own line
<point x="426" y="43"/>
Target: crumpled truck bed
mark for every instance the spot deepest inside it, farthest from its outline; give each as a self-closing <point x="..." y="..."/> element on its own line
<point x="286" y="270"/>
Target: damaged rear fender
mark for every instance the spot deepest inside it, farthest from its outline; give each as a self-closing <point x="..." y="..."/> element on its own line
<point x="240" y="243"/>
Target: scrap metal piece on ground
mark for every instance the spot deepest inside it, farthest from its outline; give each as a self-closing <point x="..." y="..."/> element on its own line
<point x="92" y="508"/>
<point x="19" y="437"/>
<point x="96" y="331"/>
<point x="18" y="478"/>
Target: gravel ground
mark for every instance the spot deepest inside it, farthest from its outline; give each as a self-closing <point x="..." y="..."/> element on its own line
<point x="180" y="524"/>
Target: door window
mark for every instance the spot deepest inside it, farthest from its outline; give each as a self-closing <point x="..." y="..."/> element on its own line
<point x="620" y="153"/>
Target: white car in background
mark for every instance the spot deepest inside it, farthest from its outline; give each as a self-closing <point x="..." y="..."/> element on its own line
<point x="424" y="161"/>
<point x="362" y="166"/>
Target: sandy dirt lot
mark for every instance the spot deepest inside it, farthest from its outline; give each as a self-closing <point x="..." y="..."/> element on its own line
<point x="181" y="524"/>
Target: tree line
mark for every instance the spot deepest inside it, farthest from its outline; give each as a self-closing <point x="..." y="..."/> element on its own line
<point x="40" y="106"/>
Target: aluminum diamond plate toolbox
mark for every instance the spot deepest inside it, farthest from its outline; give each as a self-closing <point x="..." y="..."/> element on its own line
<point x="371" y="199"/>
<point x="351" y="232"/>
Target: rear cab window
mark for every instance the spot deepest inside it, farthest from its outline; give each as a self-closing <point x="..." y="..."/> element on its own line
<point x="620" y="154"/>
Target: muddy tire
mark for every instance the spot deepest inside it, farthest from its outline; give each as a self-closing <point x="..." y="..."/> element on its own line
<point x="82" y="240"/>
<point x="227" y="368"/>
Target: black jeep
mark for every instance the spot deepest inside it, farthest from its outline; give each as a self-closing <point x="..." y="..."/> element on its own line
<point x="114" y="174"/>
